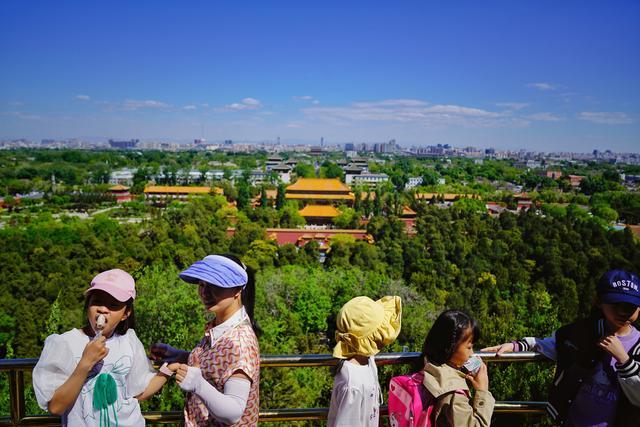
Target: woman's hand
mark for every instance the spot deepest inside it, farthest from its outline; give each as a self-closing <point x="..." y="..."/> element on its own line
<point x="93" y="352"/>
<point x="612" y="345"/>
<point x="187" y="376"/>
<point x="480" y="381"/>
<point x="507" y="347"/>
<point x="165" y="353"/>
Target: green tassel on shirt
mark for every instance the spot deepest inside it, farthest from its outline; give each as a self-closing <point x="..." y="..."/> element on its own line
<point x="105" y="394"/>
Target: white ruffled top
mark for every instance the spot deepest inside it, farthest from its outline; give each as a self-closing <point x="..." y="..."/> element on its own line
<point x="126" y="362"/>
<point x="355" y="398"/>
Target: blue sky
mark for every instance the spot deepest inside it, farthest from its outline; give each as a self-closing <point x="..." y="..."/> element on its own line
<point x="541" y="75"/>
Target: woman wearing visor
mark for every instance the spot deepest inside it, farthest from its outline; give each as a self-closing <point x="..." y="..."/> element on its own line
<point x="222" y="374"/>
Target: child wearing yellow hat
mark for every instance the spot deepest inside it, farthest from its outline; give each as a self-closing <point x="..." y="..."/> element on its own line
<point x="364" y="326"/>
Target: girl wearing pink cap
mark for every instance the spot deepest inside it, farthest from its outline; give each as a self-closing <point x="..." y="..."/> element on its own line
<point x="96" y="375"/>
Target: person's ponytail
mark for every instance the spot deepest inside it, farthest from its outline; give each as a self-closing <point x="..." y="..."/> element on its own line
<point x="249" y="299"/>
<point x="248" y="292"/>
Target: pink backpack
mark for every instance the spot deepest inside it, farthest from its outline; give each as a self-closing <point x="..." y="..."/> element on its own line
<point x="410" y="404"/>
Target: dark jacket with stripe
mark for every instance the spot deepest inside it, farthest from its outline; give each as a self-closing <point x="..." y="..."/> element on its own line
<point x="577" y="356"/>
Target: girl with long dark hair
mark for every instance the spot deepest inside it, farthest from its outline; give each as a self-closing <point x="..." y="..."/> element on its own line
<point x="446" y="350"/>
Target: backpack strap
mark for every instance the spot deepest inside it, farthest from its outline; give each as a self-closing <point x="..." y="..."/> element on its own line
<point x="460" y="392"/>
<point x="463" y="393"/>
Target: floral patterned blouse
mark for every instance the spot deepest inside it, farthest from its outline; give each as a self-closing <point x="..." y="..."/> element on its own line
<point x="228" y="348"/>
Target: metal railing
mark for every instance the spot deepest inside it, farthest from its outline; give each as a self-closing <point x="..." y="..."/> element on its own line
<point x="18" y="417"/>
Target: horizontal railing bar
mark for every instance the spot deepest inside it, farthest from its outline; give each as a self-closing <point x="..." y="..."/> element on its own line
<point x="311" y="360"/>
<point x="273" y="415"/>
<point x="292" y="414"/>
<point x="17" y="364"/>
<point x="166" y="417"/>
<point x="517" y="407"/>
<point x="33" y="420"/>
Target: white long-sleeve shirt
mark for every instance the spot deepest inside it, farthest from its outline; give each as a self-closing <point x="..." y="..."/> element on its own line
<point x="355" y="399"/>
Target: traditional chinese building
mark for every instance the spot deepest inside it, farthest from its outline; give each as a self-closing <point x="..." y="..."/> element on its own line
<point x="409" y="217"/>
<point x="162" y="193"/>
<point x="300" y="237"/>
<point x="121" y="193"/>
<point x="523" y="202"/>
<point x="575" y="180"/>
<point x="320" y="192"/>
<point x="445" y="197"/>
<point x="319" y="214"/>
<point x="271" y="198"/>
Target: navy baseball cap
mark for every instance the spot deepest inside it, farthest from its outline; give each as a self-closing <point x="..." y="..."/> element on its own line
<point x="619" y="286"/>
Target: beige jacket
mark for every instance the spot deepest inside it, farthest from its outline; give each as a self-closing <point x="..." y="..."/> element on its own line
<point x="456" y="409"/>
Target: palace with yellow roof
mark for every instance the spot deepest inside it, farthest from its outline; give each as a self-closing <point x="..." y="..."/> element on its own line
<point x="320" y="198"/>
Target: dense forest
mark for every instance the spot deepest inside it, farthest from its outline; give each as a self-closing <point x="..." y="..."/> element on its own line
<point x="519" y="275"/>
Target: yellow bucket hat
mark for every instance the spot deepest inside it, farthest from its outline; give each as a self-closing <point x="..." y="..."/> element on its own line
<point x="365" y="326"/>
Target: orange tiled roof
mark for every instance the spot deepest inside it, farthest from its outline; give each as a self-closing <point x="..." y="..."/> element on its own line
<point x="326" y="211"/>
<point x="406" y="210"/>
<point x="307" y="196"/>
<point x="271" y="195"/>
<point x="318" y="184"/>
<point x="168" y="189"/>
<point x="118" y="188"/>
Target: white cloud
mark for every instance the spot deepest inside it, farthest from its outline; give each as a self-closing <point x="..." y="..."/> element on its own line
<point x="606" y="117"/>
<point x="20" y="115"/>
<point x="306" y="98"/>
<point x="189" y="107"/>
<point x="251" y="101"/>
<point x="544" y="117"/>
<point x="392" y="103"/>
<point x="414" y="111"/>
<point x="542" y="86"/>
<point x="83" y="97"/>
<point x="514" y="106"/>
<point x="133" y="104"/>
<point x="244" y="104"/>
<point x="295" y="125"/>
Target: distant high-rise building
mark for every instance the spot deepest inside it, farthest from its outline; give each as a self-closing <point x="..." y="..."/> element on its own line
<point x="199" y="141"/>
<point x="123" y="144"/>
<point x="228" y="142"/>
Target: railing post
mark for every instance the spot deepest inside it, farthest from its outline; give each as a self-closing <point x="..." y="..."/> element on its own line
<point x="16" y="390"/>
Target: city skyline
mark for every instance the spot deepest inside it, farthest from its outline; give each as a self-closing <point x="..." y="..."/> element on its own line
<point x="540" y="76"/>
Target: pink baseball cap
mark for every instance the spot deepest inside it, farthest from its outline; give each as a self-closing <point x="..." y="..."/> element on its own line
<point x="117" y="283"/>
